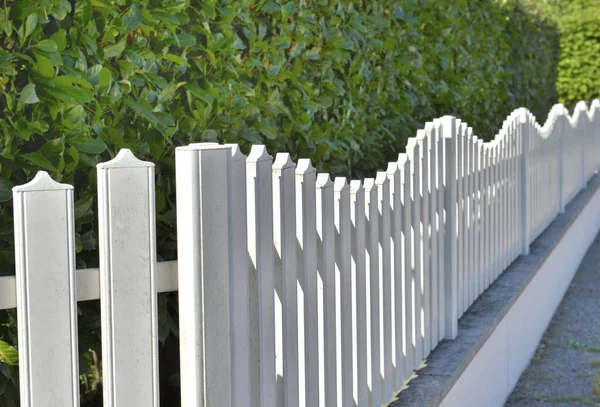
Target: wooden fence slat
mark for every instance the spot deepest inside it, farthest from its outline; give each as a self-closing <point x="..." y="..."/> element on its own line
<point x="128" y="295"/>
<point x="345" y="322"/>
<point x="431" y="133"/>
<point x="46" y="292"/>
<point x="286" y="280"/>
<point x="259" y="195"/>
<point x="385" y="284"/>
<point x="326" y="290"/>
<point x="306" y="236"/>
<point x="373" y="293"/>
<point x="397" y="295"/>
<point x="203" y="267"/>
<point x="440" y="190"/>
<point x="359" y="290"/>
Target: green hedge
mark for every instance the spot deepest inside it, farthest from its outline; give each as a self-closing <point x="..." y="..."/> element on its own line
<point x="579" y="67"/>
<point x="342" y="82"/>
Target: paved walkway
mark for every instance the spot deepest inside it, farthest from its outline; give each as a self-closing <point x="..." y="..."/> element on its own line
<point x="565" y="370"/>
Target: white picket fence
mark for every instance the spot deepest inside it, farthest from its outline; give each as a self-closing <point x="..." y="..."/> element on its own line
<point x="293" y="290"/>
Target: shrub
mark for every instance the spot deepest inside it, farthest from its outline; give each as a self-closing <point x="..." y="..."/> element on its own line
<point x="342" y="82"/>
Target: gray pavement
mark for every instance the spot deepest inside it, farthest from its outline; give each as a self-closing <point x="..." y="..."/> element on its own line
<point x="565" y="370"/>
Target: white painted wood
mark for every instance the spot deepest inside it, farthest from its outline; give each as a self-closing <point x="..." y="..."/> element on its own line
<point x="414" y="154"/>
<point x="385" y="285"/>
<point x="259" y="195"/>
<point x="450" y="141"/>
<point x="286" y="280"/>
<point x="128" y="296"/>
<point x="326" y="290"/>
<point x="203" y="266"/>
<point x="468" y="219"/>
<point x="409" y="349"/>
<point x="306" y="236"/>
<point x="359" y="293"/>
<point x="524" y="135"/>
<point x="433" y="141"/>
<point x="440" y="231"/>
<point x="345" y="322"/>
<point x="460" y="223"/>
<point x="238" y="280"/>
<point x="373" y="294"/>
<point x="425" y="270"/>
<point x="45" y="292"/>
<point x="396" y="259"/>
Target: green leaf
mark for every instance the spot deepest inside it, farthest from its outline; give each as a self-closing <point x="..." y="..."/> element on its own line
<point x="132" y="19"/>
<point x="47" y="46"/>
<point x="105" y="77"/>
<point x="270" y="7"/>
<point x="116" y="49"/>
<point x="30" y="24"/>
<point x="5" y="190"/>
<point x="60" y="38"/>
<point x="312" y="54"/>
<point x="200" y="93"/>
<point x="8" y="354"/>
<point x="175" y="58"/>
<point x="91" y="146"/>
<point x="28" y="95"/>
<point x="183" y="40"/>
<point x="44" y="66"/>
<point x="142" y="110"/>
<point x="38" y="160"/>
<point x="83" y="205"/>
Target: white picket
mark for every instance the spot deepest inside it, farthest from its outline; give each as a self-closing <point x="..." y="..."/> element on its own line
<point x="373" y="294"/>
<point x="128" y="295"/>
<point x="203" y="267"/>
<point x="286" y="280"/>
<point x="385" y="284"/>
<point x="326" y="290"/>
<point x="238" y="280"/>
<point x="46" y="296"/>
<point x="345" y="322"/>
<point x="306" y="236"/>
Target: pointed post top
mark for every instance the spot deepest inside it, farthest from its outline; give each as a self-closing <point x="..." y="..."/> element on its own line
<point x="356" y="186"/>
<point x="125" y="159"/>
<point x="370" y="185"/>
<point x="392" y="168"/>
<point x="340" y="184"/>
<point x="381" y="178"/>
<point x="42" y="182"/>
<point x="323" y="181"/>
<point x="283" y="161"/>
<point x="236" y="152"/>
<point x="259" y="153"/>
<point x="304" y="167"/>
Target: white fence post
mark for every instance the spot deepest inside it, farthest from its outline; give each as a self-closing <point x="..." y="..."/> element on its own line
<point x="359" y="292"/>
<point x="259" y="195"/>
<point x="128" y="296"/>
<point x="373" y="294"/>
<point x="203" y="267"/>
<point x="326" y="289"/>
<point x="286" y="280"/>
<point x="306" y="234"/>
<point x="46" y="293"/>
<point x="345" y="322"/>
<point x="238" y="280"/>
<point x="448" y="128"/>
<point x="396" y="259"/>
<point x="524" y="134"/>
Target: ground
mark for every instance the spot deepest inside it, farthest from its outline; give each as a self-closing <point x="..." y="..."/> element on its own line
<point x="565" y="370"/>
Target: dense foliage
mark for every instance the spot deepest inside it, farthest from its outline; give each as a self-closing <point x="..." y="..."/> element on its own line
<point x="579" y="67"/>
<point x="342" y="82"/>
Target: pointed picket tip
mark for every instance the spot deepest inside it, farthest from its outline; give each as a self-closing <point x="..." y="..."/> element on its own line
<point x="381" y="178"/>
<point x="392" y="169"/>
<point x="42" y="182"/>
<point x="581" y="105"/>
<point x="236" y="152"/>
<point x="323" y="180"/>
<point x="304" y="167"/>
<point x="411" y="143"/>
<point x="448" y="124"/>
<point x="370" y="185"/>
<point x="521" y="114"/>
<point x="283" y="161"/>
<point x="595" y="104"/>
<point x="480" y="143"/>
<point x="429" y="126"/>
<point x="356" y="186"/>
<point x="259" y="153"/>
<point x="125" y="159"/>
<point x="340" y="184"/>
<point x="420" y="135"/>
<point x="402" y="159"/>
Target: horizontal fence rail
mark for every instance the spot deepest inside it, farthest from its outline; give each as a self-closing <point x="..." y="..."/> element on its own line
<point x="294" y="289"/>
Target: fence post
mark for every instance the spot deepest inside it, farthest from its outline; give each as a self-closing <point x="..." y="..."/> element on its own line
<point x="524" y="134"/>
<point x="46" y="293"/>
<point x="203" y="250"/>
<point x="127" y="243"/>
<point x="560" y="135"/>
<point x="448" y="128"/>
